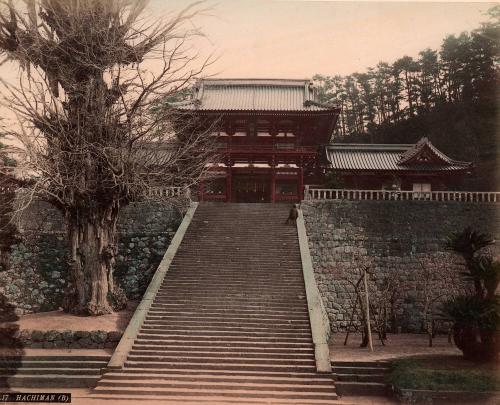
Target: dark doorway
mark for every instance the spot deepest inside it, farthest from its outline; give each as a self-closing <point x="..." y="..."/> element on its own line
<point x="251" y="188"/>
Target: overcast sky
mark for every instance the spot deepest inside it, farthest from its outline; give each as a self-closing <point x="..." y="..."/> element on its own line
<point x="295" y="39"/>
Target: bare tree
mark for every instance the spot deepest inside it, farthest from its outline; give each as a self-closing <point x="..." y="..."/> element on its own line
<point x="95" y="128"/>
<point x="431" y="278"/>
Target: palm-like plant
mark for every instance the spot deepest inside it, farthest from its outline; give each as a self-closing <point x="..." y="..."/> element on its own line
<point x="468" y="242"/>
<point x="476" y="317"/>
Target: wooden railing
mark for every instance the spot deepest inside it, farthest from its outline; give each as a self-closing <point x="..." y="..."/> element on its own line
<point x="357" y="195"/>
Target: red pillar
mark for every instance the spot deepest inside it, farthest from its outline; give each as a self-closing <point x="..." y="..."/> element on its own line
<point x="229" y="182"/>
<point x="273" y="183"/>
<point x="301" y="183"/>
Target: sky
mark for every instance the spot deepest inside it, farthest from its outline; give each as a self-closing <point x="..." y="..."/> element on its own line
<point x="297" y="39"/>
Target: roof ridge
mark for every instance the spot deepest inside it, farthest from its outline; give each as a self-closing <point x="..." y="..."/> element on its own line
<point x="256" y="82"/>
<point x="255" y="78"/>
<point x="374" y="145"/>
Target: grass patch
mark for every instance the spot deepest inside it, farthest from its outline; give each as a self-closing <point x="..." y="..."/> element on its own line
<point x="429" y="374"/>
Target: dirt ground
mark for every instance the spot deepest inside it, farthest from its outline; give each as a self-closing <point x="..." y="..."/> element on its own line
<point x="59" y="320"/>
<point x="397" y="345"/>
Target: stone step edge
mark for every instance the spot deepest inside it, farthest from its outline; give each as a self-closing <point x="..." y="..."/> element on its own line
<point x="261" y="394"/>
<point x="210" y="377"/>
<point x="164" y="383"/>
<point x="175" y="400"/>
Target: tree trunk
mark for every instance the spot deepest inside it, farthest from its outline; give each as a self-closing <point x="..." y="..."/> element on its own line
<point x="92" y="245"/>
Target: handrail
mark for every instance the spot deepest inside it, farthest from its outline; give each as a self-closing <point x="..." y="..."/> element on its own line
<point x="400" y="195"/>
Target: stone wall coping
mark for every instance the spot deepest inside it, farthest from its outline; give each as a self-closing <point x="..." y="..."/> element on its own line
<point x="120" y="354"/>
<point x="320" y="325"/>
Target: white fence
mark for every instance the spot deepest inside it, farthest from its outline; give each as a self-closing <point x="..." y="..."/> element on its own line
<point x="357" y="195"/>
<point x="167" y="192"/>
<point x="160" y="192"/>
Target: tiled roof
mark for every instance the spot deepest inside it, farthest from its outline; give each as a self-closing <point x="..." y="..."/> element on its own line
<point x="254" y="95"/>
<point x="391" y="157"/>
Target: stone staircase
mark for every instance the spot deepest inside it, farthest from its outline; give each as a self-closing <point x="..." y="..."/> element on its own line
<point x="51" y="371"/>
<point x="360" y="378"/>
<point x="230" y="322"/>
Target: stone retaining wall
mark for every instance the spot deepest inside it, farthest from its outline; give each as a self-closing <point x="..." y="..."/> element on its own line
<point x="403" y="243"/>
<point x="79" y="339"/>
<point x="36" y="276"/>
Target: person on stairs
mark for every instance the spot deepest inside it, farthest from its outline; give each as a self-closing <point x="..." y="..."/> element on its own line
<point x="293" y="215"/>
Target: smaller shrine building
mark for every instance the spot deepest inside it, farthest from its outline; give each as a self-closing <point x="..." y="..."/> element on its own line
<point x="274" y="137"/>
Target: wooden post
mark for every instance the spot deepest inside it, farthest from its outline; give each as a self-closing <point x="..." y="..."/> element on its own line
<point x="367" y="303"/>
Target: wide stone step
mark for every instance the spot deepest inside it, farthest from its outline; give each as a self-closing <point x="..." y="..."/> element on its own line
<point x="226" y="359"/>
<point x="235" y="394"/>
<point x="313" y="379"/>
<point x="213" y="400"/>
<point x="235" y="275"/>
<point x="222" y="295"/>
<point x="47" y="364"/>
<point x="221" y="366"/>
<point x="222" y="352"/>
<point x="242" y="334"/>
<point x="232" y="302"/>
<point x="211" y="289"/>
<point x="207" y="308"/>
<point x="239" y="265"/>
<point x="229" y="327"/>
<point x="193" y="372"/>
<point x="166" y="342"/>
<point x="261" y="385"/>
<point x="165" y="339"/>
<point x="222" y="317"/>
<point x="61" y="357"/>
<point x="181" y="278"/>
<point x="45" y="371"/>
<point x="265" y="349"/>
<point x="50" y="381"/>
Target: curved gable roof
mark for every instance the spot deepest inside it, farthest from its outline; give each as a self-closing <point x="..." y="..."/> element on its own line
<point x="422" y="156"/>
<point x="287" y="95"/>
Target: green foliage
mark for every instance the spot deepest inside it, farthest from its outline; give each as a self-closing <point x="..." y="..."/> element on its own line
<point x="449" y="95"/>
<point x="333" y="180"/>
<point x="468" y="242"/>
<point x="485" y="270"/>
<point x="473" y="312"/>
<point x="414" y="374"/>
<point x="476" y="317"/>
